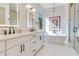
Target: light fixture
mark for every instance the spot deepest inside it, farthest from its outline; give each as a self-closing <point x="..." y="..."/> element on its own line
<point x="54" y="31"/>
<point x="33" y="9"/>
<point x="53" y="9"/>
<point x="28" y="6"/>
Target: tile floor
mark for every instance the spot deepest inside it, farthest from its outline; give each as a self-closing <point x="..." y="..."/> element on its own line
<point x="56" y="50"/>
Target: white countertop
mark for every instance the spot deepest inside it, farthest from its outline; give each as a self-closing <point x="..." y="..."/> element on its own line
<point x="9" y="36"/>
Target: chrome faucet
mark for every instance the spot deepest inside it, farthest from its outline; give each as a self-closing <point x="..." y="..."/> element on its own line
<point x="3" y="32"/>
<point x="11" y="30"/>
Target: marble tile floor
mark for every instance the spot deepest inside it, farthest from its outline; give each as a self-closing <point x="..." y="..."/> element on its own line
<point x="56" y="50"/>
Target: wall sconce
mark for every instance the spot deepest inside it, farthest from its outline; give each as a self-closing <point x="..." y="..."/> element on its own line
<point x="29" y="7"/>
<point x="33" y="9"/>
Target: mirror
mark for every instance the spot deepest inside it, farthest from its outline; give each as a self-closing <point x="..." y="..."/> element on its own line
<point x="8" y="14"/>
<point x="13" y="13"/>
<point x="4" y="13"/>
<point x="31" y="19"/>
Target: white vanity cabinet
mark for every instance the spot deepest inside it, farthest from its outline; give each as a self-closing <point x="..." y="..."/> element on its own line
<point x="15" y="51"/>
<point x="19" y="50"/>
<point x="19" y="46"/>
<point x="15" y="41"/>
<point x="24" y="45"/>
<point x="33" y="45"/>
<point x="40" y="42"/>
<point x="36" y="43"/>
<point x="26" y="49"/>
<point x="2" y="48"/>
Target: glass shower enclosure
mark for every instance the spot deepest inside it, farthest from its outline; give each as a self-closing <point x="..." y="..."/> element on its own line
<point x="74" y="25"/>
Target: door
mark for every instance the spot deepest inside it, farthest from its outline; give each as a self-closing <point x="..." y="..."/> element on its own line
<point x="74" y="26"/>
<point x="20" y="50"/>
<point x="26" y="49"/>
<point x="15" y="51"/>
<point x="71" y="24"/>
<point x="2" y="53"/>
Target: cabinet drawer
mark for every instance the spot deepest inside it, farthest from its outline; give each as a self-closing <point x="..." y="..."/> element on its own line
<point x="35" y="35"/>
<point x="15" y="41"/>
<point x="2" y="45"/>
<point x="34" y="50"/>
<point x="39" y="40"/>
<point x="40" y="44"/>
<point x="33" y="41"/>
<point x="38" y="34"/>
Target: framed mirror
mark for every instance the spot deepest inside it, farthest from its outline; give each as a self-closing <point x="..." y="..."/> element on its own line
<point x="13" y="14"/>
<point x="8" y="14"/>
<point x="4" y="13"/>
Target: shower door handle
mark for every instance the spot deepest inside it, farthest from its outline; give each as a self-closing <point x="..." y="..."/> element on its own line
<point x="74" y="29"/>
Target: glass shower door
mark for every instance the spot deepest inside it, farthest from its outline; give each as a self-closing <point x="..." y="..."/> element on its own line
<point x="76" y="27"/>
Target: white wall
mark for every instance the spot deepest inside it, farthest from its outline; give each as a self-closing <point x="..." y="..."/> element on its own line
<point x="59" y="11"/>
<point x="39" y="9"/>
<point x="23" y="13"/>
<point x="22" y="20"/>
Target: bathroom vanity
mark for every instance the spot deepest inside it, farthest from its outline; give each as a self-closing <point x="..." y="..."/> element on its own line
<point x="21" y="44"/>
<point x="24" y="43"/>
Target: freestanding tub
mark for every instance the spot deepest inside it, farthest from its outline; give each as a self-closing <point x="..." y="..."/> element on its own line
<point x="57" y="39"/>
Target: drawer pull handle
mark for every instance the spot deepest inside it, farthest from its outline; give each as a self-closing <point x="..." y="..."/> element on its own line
<point x="34" y="50"/>
<point x="21" y="49"/>
<point x="40" y="37"/>
<point x="34" y="42"/>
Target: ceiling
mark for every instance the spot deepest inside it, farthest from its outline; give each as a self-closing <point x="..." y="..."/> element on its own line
<point x="50" y="5"/>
